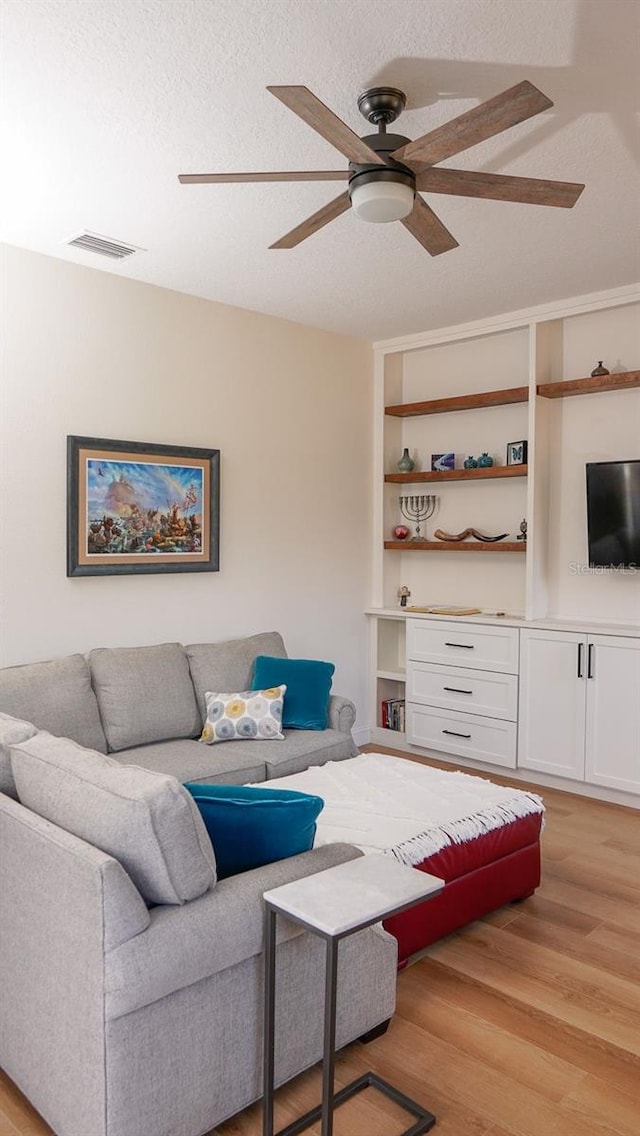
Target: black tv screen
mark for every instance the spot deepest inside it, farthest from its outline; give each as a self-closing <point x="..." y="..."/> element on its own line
<point x="613" y="514"/>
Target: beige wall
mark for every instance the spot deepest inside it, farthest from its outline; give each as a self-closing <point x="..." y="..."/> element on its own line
<point x="289" y="407"/>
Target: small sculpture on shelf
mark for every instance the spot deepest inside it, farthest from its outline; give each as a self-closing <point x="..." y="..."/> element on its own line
<point x="523" y="530"/>
<point x="484" y="461"/>
<point x="403" y="595"/>
<point x="401" y="532"/>
<point x="406" y="462"/>
<point x="418" y="508"/>
<point x="599" y="370"/>
<point x="470" y="463"/>
<point x="457" y="538"/>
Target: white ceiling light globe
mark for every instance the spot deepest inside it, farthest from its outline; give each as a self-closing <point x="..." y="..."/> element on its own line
<point x="381" y="201"/>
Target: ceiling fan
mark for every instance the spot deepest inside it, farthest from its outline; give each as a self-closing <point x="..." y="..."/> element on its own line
<point x="387" y="172"/>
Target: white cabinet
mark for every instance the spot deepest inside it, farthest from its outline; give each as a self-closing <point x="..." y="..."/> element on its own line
<point x="462" y="689"/>
<point x="580" y="707"/>
<point x="612" y="755"/>
<point x="552" y="703"/>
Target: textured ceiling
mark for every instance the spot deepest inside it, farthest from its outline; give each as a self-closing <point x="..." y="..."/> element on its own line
<point x="106" y="101"/>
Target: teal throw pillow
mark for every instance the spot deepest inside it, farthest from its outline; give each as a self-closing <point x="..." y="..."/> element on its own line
<point x="251" y="826"/>
<point x="308" y="682"/>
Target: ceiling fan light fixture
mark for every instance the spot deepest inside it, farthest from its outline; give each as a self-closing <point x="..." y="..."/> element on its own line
<point x="382" y="201"/>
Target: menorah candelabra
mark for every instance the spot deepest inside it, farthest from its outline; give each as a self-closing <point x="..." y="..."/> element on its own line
<point x="418" y="508"/>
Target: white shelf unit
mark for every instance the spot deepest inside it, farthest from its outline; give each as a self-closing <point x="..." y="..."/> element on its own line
<point x="546" y="346"/>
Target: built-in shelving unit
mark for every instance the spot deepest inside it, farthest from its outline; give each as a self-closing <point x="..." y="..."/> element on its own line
<point x="488" y="473"/>
<point x="455" y="546"/>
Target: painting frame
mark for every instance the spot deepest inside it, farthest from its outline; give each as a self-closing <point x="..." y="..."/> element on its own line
<point x="147" y="539"/>
<point x="517" y="452"/>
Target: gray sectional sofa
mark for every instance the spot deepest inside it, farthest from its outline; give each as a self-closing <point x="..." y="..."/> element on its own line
<point x="130" y="979"/>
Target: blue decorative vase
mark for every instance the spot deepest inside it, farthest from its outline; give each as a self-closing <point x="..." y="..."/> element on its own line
<point x="484" y="461"/>
<point x="406" y="463"/>
<point x="470" y="463"/>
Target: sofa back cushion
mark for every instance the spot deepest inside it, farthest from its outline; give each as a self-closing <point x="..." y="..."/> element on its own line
<point x="12" y="731"/>
<point x="145" y="694"/>
<point x="229" y="665"/>
<point x="145" y="820"/>
<point x="55" y="696"/>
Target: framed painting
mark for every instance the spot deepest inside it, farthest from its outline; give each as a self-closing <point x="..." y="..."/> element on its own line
<point x="141" y="507"/>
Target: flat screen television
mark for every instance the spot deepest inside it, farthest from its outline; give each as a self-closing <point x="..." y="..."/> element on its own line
<point x="613" y="514"/>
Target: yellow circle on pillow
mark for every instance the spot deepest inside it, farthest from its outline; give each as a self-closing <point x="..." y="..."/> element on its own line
<point x="236" y="708"/>
<point x="272" y="692"/>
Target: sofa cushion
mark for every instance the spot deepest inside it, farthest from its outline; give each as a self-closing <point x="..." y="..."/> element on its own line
<point x="12" y="731"/>
<point x="229" y="665"/>
<point x="308" y="683"/>
<point x="145" y="820"/>
<point x="253" y="826"/>
<point x="302" y="748"/>
<point x="144" y="693"/>
<point x="244" y="716"/>
<point x="55" y="696"/>
<point x="189" y="761"/>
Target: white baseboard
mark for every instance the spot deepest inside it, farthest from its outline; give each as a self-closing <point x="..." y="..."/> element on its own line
<point x="361" y="735"/>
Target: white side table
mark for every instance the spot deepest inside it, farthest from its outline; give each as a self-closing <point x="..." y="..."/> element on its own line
<point x="333" y="904"/>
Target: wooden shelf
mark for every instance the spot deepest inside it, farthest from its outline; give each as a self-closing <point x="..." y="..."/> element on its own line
<point x="455" y="546"/>
<point x="487" y="474"/>
<point x="624" y="380"/>
<point x="459" y="402"/>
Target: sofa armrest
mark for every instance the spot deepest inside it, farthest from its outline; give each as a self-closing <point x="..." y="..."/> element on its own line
<point x="342" y="714"/>
<point x="223" y="927"/>
<point x="61" y="902"/>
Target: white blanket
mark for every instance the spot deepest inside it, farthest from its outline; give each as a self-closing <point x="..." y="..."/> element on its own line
<point x="403" y="808"/>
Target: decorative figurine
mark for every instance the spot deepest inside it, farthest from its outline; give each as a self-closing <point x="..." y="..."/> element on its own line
<point x="406" y="462"/>
<point x="599" y="370"/>
<point x="523" y="530"/>
<point x="470" y="463"/>
<point x="401" y="532"/>
<point x="484" y="461"/>
<point x="403" y="595"/>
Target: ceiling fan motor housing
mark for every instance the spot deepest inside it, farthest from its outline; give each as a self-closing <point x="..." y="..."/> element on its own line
<point x="393" y="173"/>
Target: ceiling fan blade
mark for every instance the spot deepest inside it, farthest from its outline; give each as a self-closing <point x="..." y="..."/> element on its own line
<point x="423" y="224"/>
<point x="498" y="187"/>
<point x="484" y="121"/>
<point x="316" y="221"/>
<point x="309" y="108"/>
<point x="279" y="175"/>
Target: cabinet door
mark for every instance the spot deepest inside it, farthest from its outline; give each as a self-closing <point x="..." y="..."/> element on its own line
<point x="613" y="713"/>
<point x="551" y="730"/>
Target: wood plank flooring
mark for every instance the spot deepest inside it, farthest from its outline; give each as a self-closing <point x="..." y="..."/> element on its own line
<point x="525" y="1023"/>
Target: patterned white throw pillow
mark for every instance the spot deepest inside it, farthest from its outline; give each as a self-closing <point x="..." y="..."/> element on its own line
<point x="244" y="716"/>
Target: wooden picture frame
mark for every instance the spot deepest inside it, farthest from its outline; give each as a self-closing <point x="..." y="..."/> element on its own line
<point x="140" y="507"/>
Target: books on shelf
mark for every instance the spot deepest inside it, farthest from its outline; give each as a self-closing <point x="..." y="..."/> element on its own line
<point x="447" y="610"/>
<point x="392" y="714"/>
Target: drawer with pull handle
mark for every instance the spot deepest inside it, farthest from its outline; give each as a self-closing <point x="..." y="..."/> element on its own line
<point x="479" y="646"/>
<point x="488" y="693"/>
<point x="492" y="740"/>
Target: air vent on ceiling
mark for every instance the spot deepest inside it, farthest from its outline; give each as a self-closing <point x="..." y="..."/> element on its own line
<point x="103" y="246"/>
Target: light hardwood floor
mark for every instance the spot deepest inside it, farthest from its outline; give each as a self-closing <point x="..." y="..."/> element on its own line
<point x="525" y="1023"/>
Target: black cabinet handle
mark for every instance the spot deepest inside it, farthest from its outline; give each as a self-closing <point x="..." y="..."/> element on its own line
<point x="580" y="646"/>
<point x="456" y="690"/>
<point x="590" y="661"/>
<point x="467" y="646"/>
<point x="455" y="735"/>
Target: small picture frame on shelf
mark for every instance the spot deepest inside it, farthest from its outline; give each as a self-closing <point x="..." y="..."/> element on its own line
<point x="440" y="463"/>
<point x="517" y="453"/>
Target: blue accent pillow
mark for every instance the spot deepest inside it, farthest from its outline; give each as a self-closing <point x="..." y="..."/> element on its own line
<point x="251" y="826"/>
<point x="308" y="682"/>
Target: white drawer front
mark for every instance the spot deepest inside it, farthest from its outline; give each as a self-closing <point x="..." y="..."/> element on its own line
<point x="485" y="739"/>
<point x="488" y="693"/>
<point x="460" y="644"/>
